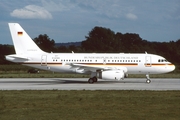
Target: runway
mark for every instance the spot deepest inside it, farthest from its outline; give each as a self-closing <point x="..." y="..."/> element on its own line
<point x="82" y="84"/>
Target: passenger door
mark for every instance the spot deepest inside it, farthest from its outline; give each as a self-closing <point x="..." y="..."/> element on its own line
<point x="148" y="61"/>
<point x="44" y="60"/>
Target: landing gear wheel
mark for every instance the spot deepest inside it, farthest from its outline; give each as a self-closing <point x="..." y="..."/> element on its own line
<point x="94" y="79"/>
<point x="148" y="81"/>
<point x="90" y="81"/>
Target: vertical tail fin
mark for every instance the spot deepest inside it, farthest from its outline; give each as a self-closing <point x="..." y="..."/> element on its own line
<point x="23" y="44"/>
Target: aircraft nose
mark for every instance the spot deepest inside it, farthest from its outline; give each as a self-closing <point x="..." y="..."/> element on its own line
<point x="172" y="67"/>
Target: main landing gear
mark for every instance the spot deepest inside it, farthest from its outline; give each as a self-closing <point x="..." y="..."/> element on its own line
<point x="148" y="79"/>
<point x="92" y="80"/>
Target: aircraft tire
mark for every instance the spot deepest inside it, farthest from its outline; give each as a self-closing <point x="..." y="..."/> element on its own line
<point x="94" y="79"/>
<point x="91" y="81"/>
<point x="148" y="81"/>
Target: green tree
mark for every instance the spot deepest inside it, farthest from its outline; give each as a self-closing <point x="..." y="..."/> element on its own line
<point x="132" y="42"/>
<point x="62" y="49"/>
<point x="105" y="40"/>
<point x="99" y="40"/>
<point x="45" y="43"/>
<point x="5" y="50"/>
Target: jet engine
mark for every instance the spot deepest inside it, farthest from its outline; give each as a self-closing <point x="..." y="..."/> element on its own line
<point x="112" y="75"/>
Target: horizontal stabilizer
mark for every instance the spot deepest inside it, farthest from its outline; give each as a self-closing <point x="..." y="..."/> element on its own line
<point x="17" y="56"/>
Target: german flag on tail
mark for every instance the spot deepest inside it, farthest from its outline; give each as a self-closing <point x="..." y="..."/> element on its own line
<point x="20" y="33"/>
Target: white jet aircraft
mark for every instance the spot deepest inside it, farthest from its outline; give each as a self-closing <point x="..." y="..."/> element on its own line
<point x="115" y="66"/>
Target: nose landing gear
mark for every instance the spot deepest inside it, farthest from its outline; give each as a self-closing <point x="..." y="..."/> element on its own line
<point x="148" y="79"/>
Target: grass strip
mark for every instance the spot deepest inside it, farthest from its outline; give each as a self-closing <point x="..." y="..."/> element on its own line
<point x="81" y="105"/>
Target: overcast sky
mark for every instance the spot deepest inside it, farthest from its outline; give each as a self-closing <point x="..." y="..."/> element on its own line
<point x="71" y="20"/>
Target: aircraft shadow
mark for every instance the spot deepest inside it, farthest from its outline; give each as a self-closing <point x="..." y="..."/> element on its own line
<point x="68" y="81"/>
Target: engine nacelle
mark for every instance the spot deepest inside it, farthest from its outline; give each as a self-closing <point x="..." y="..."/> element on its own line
<point x="112" y="75"/>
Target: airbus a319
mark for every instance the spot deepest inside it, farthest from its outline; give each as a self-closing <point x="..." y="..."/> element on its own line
<point x="114" y="66"/>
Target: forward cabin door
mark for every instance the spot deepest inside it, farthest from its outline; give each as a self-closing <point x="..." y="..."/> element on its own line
<point x="148" y="61"/>
<point x="44" y="60"/>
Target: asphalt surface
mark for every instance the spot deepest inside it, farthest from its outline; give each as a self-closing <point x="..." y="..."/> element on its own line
<point x="82" y="84"/>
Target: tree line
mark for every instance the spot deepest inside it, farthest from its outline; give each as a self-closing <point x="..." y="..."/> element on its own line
<point x="104" y="40"/>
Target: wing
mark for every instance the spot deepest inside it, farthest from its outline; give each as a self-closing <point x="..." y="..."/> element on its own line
<point x="93" y="68"/>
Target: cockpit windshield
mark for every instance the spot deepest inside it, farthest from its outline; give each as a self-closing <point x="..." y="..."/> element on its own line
<point x="162" y="60"/>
